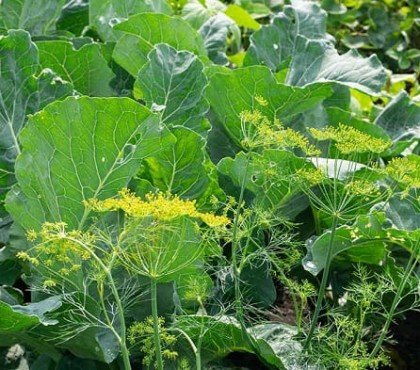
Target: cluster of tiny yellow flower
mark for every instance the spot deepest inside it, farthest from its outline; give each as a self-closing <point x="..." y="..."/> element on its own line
<point x="258" y="131"/>
<point x="363" y="188"/>
<point x="58" y="250"/>
<point x="310" y="176"/>
<point x="349" y="140"/>
<point x="143" y="332"/>
<point x="159" y="206"/>
<point x="406" y="171"/>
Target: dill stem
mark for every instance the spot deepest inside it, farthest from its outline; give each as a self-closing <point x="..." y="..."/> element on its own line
<point x="395" y="302"/>
<point x="235" y="247"/>
<point x="156" y="333"/>
<point x="323" y="286"/>
<point x="125" y="354"/>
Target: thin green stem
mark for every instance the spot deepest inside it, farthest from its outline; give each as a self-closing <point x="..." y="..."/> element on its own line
<point x="125" y="354"/>
<point x="324" y="282"/>
<point x="235" y="247"/>
<point x="412" y="262"/>
<point x="156" y="329"/>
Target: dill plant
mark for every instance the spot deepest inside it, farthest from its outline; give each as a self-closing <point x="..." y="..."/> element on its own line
<point x="160" y="236"/>
<point x="340" y="188"/>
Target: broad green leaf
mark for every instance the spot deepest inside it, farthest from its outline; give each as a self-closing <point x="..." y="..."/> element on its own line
<point x="184" y="168"/>
<point x="143" y="31"/>
<point x="74" y="17"/>
<point x="297" y="40"/>
<point x="401" y="118"/>
<point x="197" y="12"/>
<point x="368" y="250"/>
<point x="172" y="82"/>
<point x="234" y="91"/>
<point x="272" y="343"/>
<point x="85" y="68"/>
<point x="105" y="14"/>
<point x="318" y="61"/>
<point x="24" y="89"/>
<point x="35" y="16"/>
<point x="241" y="17"/>
<point x="273" y="44"/>
<point x="267" y="176"/>
<point x="20" y="318"/>
<point x="10" y="271"/>
<point x="59" y="169"/>
<point x="394" y="221"/>
<point x="214" y="33"/>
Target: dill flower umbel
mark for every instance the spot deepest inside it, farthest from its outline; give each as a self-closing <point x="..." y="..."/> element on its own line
<point x="59" y="252"/>
<point x="159" y="206"/>
<point x="406" y="171"/>
<point x="349" y="140"/>
<point x="259" y="131"/>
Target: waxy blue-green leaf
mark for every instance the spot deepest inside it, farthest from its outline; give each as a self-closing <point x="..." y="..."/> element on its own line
<point x="76" y="150"/>
<point x="17" y="318"/>
<point x="318" y="61"/>
<point x="297" y="40"/>
<point x="401" y="118"/>
<point x="234" y="91"/>
<point x="172" y="82"/>
<point x="24" y="89"/>
<point x="35" y="16"/>
<point x="197" y="12"/>
<point x="85" y="68"/>
<point x="184" y="168"/>
<point x="272" y="343"/>
<point x="366" y="241"/>
<point x="105" y="14"/>
<point x="143" y="31"/>
<point x="273" y="44"/>
<point x="214" y="33"/>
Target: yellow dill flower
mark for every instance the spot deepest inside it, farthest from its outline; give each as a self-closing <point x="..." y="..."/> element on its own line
<point x="350" y="140"/>
<point x="261" y="100"/>
<point x="159" y="206"/>
<point x="49" y="283"/>
<point x="310" y="177"/>
<point x="31" y="235"/>
<point x="406" y="171"/>
<point x="26" y="257"/>
<point x="363" y="188"/>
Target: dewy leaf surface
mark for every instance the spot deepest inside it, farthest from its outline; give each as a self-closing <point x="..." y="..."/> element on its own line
<point x="24" y="89"/>
<point x="76" y="150"/>
<point x="36" y="16"/>
<point x="173" y="82"/>
<point x="105" y="14"/>
<point x="86" y="68"/>
<point x="234" y="91"/>
<point x="143" y="31"/>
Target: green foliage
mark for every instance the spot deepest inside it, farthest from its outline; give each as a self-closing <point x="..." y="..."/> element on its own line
<point x="184" y="180"/>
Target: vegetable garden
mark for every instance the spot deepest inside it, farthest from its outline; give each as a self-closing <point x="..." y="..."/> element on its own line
<point x="205" y="184"/>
